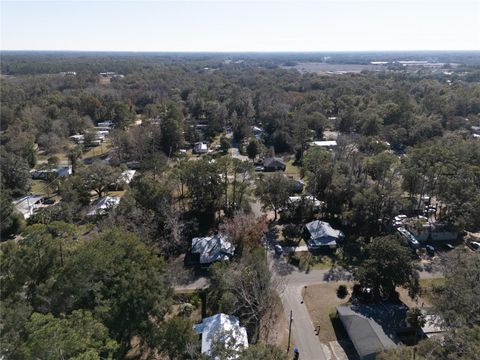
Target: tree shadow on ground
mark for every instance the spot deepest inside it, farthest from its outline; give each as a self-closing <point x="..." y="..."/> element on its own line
<point x="338" y="274"/>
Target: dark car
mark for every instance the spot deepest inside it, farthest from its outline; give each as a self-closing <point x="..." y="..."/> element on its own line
<point x="430" y="250"/>
<point x="49" y="201"/>
<point x="449" y="247"/>
<point x="475" y="245"/>
<point x="278" y="249"/>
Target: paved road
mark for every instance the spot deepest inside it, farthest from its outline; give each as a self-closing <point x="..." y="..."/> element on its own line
<point x="302" y="327"/>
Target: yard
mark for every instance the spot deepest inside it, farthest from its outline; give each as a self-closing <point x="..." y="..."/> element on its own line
<point x="321" y="301"/>
<point x="425" y="298"/>
<point x="292" y="170"/>
<point x="98" y="151"/>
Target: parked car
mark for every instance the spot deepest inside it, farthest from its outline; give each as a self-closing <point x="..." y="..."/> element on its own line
<point x="259" y="168"/>
<point x="475" y="245"/>
<point x="278" y="249"/>
<point x="449" y="247"/>
<point x="430" y="250"/>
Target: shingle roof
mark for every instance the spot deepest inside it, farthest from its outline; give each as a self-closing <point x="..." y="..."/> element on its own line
<point x="273" y="161"/>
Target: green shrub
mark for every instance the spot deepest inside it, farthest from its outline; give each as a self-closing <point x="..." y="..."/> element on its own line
<point x="342" y="292"/>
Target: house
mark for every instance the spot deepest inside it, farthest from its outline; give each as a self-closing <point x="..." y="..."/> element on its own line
<point x="123" y="180"/>
<point x="27" y="205"/>
<point x="102" y="205"/>
<point x="212" y="248"/>
<point x="68" y="73"/>
<point x="105" y="124"/>
<point x="62" y="171"/>
<point x="78" y="138"/>
<point x="274" y="164"/>
<point x="320" y="235"/>
<point x="222" y="328"/>
<point x="362" y="323"/>
<point x="111" y="75"/>
<point x="425" y="230"/>
<point x="325" y="143"/>
<point x="200" y="148"/>
<point x="295" y="200"/>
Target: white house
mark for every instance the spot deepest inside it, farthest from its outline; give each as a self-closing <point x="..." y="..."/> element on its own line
<point x="124" y="179"/>
<point x="102" y="205"/>
<point x="222" y="328"/>
<point x="78" y="138"/>
<point x="27" y="205"/>
<point x="295" y="200"/>
<point x="105" y="124"/>
<point x="62" y="171"/>
<point x="200" y="148"/>
<point x="324" y="143"/>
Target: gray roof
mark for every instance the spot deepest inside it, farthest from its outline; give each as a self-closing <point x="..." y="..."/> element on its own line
<point x="322" y="234"/>
<point x="212" y="248"/>
<point x="273" y="161"/>
<point x="368" y="336"/>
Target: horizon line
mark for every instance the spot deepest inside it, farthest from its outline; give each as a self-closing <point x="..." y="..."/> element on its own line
<point x="241" y="51"/>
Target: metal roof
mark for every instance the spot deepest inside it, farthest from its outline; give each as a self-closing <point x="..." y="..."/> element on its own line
<point x="367" y="336"/>
<point x="223" y="328"/>
<point x="322" y="234"/>
<point x="212" y="248"/>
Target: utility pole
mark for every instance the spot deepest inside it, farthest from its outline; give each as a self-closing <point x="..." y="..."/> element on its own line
<point x="289" y="331"/>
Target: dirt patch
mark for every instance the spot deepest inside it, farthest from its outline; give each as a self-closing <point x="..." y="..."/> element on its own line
<point x="275" y="328"/>
<point x="425" y="297"/>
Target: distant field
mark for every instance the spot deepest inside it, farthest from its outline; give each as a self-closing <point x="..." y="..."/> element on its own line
<point x="321" y="68"/>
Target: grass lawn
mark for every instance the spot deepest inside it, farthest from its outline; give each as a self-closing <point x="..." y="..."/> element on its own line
<point x="292" y="170"/>
<point x="38" y="187"/>
<point x="321" y="301"/>
<point x="97" y="150"/>
<point x="324" y="262"/>
<point x="306" y="260"/>
<point x="428" y="286"/>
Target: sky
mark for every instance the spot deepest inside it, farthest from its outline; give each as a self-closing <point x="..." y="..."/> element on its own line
<point x="227" y="26"/>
